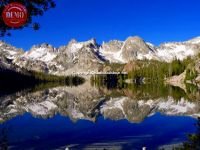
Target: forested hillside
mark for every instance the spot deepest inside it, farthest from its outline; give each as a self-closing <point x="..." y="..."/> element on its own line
<point x="11" y="81"/>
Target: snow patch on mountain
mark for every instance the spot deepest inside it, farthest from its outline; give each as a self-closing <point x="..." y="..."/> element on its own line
<point x="171" y="51"/>
<point x="148" y="56"/>
<point x="114" y="57"/>
<point x="9" y="51"/>
<point x="41" y="54"/>
<point x="194" y="40"/>
<point x="11" y="54"/>
<point x="75" y="46"/>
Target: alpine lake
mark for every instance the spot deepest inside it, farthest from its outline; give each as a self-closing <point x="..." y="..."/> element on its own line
<point x="100" y="114"/>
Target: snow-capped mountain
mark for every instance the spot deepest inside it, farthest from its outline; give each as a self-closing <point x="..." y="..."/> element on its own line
<point x="74" y="57"/>
<point x="131" y="49"/>
<point x="90" y="56"/>
<point x="44" y="52"/>
<point x="181" y="50"/>
<point x="78" y="57"/>
<point x="37" y="58"/>
<point x="7" y="54"/>
<point x="136" y="48"/>
<point x="9" y="51"/>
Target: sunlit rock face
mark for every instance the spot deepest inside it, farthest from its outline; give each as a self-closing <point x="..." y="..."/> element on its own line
<point x="135" y="48"/>
<point x="87" y="103"/>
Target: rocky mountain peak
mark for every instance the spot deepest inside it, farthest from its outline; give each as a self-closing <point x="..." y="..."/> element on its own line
<point x="8" y="51"/>
<point x="136" y="43"/>
<point x="135" y="39"/>
<point x="72" y="41"/>
<point x="74" y="47"/>
<point x="91" y="41"/>
<point x="91" y="44"/>
<point x="112" y="46"/>
<point x="44" y="46"/>
<point x="6" y="46"/>
<point x="133" y="47"/>
<point x="38" y="54"/>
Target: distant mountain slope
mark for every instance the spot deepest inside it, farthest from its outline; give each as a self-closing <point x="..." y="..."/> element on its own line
<point x="89" y="56"/>
<point x="135" y="48"/>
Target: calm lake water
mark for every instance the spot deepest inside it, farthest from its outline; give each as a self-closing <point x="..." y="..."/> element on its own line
<point x="98" y="117"/>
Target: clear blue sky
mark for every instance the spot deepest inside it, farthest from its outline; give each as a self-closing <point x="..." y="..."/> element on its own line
<point x="155" y="21"/>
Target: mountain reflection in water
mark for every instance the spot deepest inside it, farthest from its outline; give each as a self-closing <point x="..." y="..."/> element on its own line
<point x="91" y="117"/>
